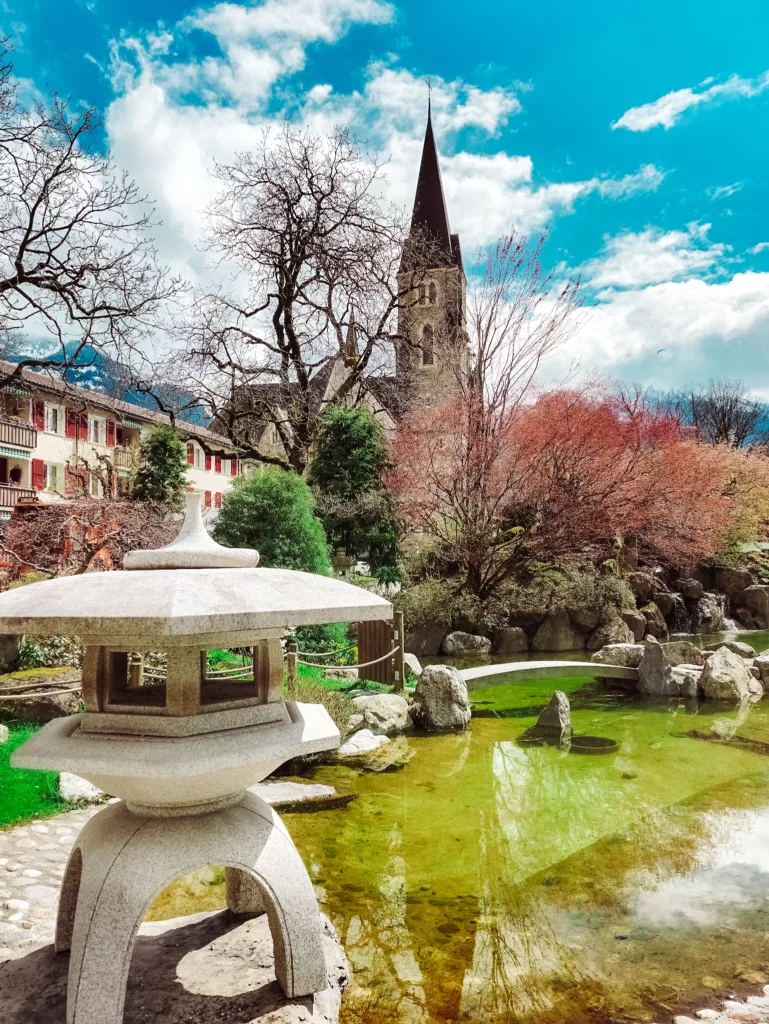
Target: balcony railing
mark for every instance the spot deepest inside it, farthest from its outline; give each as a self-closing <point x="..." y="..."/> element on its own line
<point x="123" y="458"/>
<point x="17" y="433"/>
<point x="10" y="496"/>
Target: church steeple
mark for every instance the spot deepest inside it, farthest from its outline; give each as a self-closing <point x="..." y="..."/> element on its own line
<point x="430" y="216"/>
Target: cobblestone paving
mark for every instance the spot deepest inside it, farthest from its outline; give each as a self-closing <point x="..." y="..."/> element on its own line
<point x="32" y="862"/>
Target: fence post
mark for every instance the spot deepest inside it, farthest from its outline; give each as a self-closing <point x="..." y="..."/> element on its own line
<point x="292" y="667"/>
<point x="399" y="636"/>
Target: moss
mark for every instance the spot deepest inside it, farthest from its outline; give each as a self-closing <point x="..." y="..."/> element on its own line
<point x="35" y="673"/>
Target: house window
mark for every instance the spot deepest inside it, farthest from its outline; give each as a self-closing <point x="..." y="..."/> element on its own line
<point x="53" y="419"/>
<point x="95" y="486"/>
<point x="51" y="477"/>
<point x="97" y="429"/>
<point x="427" y="346"/>
<point x="218" y="463"/>
<point x="433" y="293"/>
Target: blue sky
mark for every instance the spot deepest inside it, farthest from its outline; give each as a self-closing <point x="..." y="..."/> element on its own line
<point x="639" y="137"/>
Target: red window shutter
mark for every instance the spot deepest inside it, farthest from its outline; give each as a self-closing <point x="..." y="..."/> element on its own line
<point x="208" y="463"/>
<point x="71" y="430"/>
<point x="82" y="427"/>
<point x="190" y="490"/>
<point x="234" y="466"/>
<point x="218" y="499"/>
<point x="38" y="415"/>
<point x="38" y="475"/>
<point x="110" y="433"/>
<point x="218" y="463"/>
<point x="208" y="499"/>
<point x="190" y="453"/>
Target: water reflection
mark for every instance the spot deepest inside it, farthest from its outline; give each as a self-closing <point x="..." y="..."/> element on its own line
<point x="486" y="881"/>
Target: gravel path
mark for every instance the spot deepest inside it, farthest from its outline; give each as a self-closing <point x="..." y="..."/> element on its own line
<point x="32" y="862"/>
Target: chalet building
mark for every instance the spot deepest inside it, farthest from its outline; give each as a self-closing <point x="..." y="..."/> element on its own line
<point x="433" y="358"/>
<point x="58" y="441"/>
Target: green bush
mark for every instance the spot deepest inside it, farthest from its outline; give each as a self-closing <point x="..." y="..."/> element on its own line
<point x="273" y="511"/>
<point x="569" y="584"/>
<point x="51" y="652"/>
<point x="162" y="474"/>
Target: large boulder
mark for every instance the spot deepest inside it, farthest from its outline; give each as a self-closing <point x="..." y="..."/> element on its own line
<point x="655" y="621"/>
<point x="528" y="621"/>
<point x="636" y="623"/>
<point x="727" y="677"/>
<point x="385" y="714"/>
<point x="510" y="640"/>
<point x="690" y="589"/>
<point x="616" y="631"/>
<point x="558" y="633"/>
<point x="751" y="606"/>
<point x="655" y="676"/>
<point x="555" y="720"/>
<point x="735" y="646"/>
<point x="688" y="678"/>
<point x="413" y="666"/>
<point x="465" y="645"/>
<point x="425" y="641"/>
<point x="762" y="664"/>
<point x="683" y="652"/>
<point x="666" y="604"/>
<point x="585" y="617"/>
<point x="707" y="614"/>
<point x="361" y="742"/>
<point x="623" y="655"/>
<point x="731" y="580"/>
<point x="642" y="585"/>
<point x="440" y="700"/>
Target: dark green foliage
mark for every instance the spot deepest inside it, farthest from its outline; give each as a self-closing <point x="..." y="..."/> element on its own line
<point x="273" y="511"/>
<point x="357" y="510"/>
<point x="162" y="474"/>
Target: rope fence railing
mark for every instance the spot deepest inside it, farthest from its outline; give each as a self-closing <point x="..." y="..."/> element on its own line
<point x="327" y="654"/>
<point x="366" y="664"/>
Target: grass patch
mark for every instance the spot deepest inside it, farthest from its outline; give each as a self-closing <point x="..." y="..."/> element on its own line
<point x="24" y="793"/>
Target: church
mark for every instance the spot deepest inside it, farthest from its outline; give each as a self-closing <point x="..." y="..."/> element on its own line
<point x="432" y="355"/>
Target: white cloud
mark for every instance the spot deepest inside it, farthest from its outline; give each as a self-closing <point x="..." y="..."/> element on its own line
<point x="678" y="320"/>
<point x="174" y="116"/>
<point x="756" y="249"/>
<point x="724" y="191"/>
<point x="634" y="259"/>
<point x="667" y="110"/>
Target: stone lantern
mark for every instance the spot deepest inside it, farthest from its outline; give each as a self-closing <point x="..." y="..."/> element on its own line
<point x="180" y="745"/>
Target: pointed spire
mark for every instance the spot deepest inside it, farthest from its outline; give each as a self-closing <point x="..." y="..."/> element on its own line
<point x="430" y="216"/>
<point x="350" y="349"/>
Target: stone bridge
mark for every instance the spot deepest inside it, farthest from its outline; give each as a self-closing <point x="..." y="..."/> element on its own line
<point x="481" y="676"/>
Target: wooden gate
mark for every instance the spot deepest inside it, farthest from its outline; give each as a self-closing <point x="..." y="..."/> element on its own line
<point x="375" y="639"/>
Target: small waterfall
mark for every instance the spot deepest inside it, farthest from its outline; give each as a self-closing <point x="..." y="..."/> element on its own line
<point x="681" y="622"/>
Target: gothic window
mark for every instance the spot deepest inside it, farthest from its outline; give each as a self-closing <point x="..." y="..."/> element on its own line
<point x="422" y="295"/>
<point x="433" y="293"/>
<point x="427" y="346"/>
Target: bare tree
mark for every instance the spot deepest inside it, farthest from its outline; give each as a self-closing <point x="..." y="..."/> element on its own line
<point x="78" y="271"/>
<point x="82" y="533"/>
<point x="722" y="413"/>
<point x="322" y="272"/>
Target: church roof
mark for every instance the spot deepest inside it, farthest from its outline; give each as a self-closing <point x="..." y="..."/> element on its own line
<point x="430" y="217"/>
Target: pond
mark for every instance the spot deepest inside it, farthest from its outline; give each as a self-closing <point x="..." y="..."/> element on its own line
<point x="492" y="882"/>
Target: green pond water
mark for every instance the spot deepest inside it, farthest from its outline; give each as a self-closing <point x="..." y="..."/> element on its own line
<point x="487" y="881"/>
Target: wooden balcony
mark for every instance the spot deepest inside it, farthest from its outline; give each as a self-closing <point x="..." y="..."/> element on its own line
<point x="17" y="433"/>
<point x="10" y="496"/>
<point x="123" y="458"/>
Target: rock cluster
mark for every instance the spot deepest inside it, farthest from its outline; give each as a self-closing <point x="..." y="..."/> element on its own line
<point x="440" y="700"/>
<point x="728" y="670"/>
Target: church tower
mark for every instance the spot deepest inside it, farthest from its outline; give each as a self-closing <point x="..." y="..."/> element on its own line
<point x="432" y="356"/>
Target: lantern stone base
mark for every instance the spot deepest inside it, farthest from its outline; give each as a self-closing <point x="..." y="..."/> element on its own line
<point x="121" y="862"/>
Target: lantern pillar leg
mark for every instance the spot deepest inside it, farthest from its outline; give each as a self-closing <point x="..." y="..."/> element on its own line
<point x="128" y="860"/>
